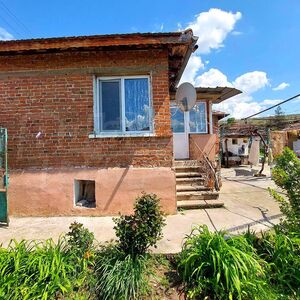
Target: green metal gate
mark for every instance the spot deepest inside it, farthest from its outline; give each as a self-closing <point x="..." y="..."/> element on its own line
<point x="3" y="177"/>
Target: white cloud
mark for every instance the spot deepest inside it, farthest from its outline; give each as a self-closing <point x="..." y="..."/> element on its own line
<point x="270" y="102"/>
<point x="212" y="28"/>
<point x="281" y="86"/>
<point x="194" y="65"/>
<point x="241" y="105"/>
<point x="212" y="78"/>
<point x="236" y="32"/>
<point x="5" y="35"/>
<point x="251" y="82"/>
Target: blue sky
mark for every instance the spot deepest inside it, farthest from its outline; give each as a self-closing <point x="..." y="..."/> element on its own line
<point x="250" y="44"/>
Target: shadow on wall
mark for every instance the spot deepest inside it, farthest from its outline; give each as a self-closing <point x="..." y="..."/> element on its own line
<point x="115" y="190"/>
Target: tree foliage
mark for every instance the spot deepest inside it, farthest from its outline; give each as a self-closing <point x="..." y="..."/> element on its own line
<point x="286" y="175"/>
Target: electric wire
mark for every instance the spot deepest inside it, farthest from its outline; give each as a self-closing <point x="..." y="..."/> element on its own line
<point x="13" y="16"/>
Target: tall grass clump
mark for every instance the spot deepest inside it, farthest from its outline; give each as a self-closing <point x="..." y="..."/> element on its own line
<point x="282" y="254"/>
<point x="40" y="270"/>
<point x="123" y="269"/>
<point x="217" y="266"/>
<point x="122" y="276"/>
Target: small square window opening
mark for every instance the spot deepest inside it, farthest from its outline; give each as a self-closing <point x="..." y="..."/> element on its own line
<point x="85" y="193"/>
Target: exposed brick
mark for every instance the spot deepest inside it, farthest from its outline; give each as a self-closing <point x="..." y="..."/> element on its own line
<point x="60" y="106"/>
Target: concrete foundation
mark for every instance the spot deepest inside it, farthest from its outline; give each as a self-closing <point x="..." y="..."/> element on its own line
<point x="52" y="192"/>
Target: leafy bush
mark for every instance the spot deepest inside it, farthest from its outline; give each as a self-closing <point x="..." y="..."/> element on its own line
<point x="80" y="239"/>
<point x="32" y="270"/>
<point x="282" y="253"/>
<point x="137" y="232"/>
<point x="220" y="267"/>
<point x="286" y="175"/>
<point x="121" y="276"/>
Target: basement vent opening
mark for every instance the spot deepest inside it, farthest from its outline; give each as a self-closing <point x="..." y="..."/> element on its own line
<point x="85" y="193"/>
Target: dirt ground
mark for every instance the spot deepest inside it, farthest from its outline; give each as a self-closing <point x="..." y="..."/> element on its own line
<point x="247" y="204"/>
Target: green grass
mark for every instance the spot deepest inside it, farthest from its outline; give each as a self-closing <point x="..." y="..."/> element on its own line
<point x="40" y="270"/>
<point x="282" y="255"/>
<point x="220" y="267"/>
<point x="120" y="276"/>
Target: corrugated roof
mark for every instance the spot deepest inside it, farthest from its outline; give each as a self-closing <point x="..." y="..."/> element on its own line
<point x="218" y="94"/>
<point x="107" y="40"/>
<point x="180" y="46"/>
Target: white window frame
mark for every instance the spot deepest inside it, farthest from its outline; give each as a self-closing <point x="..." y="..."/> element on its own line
<point x="98" y="110"/>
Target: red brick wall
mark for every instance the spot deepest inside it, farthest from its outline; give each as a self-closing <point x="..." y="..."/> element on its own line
<point x="53" y="94"/>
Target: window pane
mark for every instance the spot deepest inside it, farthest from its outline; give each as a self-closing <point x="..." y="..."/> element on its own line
<point x="198" y="118"/>
<point x="177" y="119"/>
<point x="137" y="105"/>
<point x="110" y="104"/>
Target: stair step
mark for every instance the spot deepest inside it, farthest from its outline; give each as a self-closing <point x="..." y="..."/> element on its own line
<point x="186" y="163"/>
<point x="186" y="169"/>
<point x="189" y="180"/>
<point x="192" y="195"/>
<point x="192" y="204"/>
<point x="182" y="188"/>
<point x="187" y="174"/>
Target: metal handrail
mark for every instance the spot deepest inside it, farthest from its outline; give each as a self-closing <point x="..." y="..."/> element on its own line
<point x="211" y="168"/>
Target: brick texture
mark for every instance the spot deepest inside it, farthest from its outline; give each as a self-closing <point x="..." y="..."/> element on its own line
<point x="35" y="98"/>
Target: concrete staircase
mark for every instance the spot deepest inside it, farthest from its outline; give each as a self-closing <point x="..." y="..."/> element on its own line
<point x="190" y="187"/>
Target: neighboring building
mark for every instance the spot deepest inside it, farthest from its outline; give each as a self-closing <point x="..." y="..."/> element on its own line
<point x="288" y="137"/>
<point x="235" y="149"/>
<point x="89" y="122"/>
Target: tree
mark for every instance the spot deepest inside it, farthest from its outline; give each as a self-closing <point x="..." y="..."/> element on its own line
<point x="230" y="120"/>
<point x="279" y="112"/>
<point x="286" y="175"/>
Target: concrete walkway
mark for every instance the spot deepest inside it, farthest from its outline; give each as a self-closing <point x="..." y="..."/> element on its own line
<point x="246" y="198"/>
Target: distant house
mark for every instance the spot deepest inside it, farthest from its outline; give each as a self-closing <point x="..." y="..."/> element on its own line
<point x="235" y="149"/>
<point x="287" y="137"/>
<point x="92" y="122"/>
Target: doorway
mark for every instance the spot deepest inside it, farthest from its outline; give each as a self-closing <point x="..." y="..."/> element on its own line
<point x="186" y="123"/>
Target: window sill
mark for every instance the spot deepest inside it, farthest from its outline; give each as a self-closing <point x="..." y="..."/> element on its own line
<point x="120" y="135"/>
<point x="198" y="133"/>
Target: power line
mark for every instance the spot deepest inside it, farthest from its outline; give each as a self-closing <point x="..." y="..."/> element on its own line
<point x="289" y="99"/>
<point x="13" y="16"/>
<point x="11" y="27"/>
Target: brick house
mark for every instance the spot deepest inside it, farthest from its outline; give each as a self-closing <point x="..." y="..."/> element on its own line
<point x="89" y="121"/>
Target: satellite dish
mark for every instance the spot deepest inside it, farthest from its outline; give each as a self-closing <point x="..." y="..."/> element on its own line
<point x="186" y="96"/>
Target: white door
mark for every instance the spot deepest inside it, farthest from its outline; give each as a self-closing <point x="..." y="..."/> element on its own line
<point x="180" y="133"/>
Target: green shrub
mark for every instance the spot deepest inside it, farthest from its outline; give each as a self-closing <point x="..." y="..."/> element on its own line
<point x="32" y="270"/>
<point x="120" y="276"/>
<point x="282" y="253"/>
<point x="137" y="232"/>
<point x="80" y="239"/>
<point x="286" y="175"/>
<point x="220" y="267"/>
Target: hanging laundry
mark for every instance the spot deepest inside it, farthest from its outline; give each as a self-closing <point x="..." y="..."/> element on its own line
<point x="270" y="157"/>
<point x="254" y="152"/>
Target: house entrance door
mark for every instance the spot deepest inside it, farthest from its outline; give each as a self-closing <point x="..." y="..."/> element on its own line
<point x="180" y="133"/>
<point x="3" y="176"/>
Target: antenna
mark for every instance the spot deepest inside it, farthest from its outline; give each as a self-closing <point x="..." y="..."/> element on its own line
<point x="186" y="96"/>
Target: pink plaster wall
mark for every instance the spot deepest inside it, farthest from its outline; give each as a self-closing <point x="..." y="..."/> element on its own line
<point x="206" y="142"/>
<point x="51" y="192"/>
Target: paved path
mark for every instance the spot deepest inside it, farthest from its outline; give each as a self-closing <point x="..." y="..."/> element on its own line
<point x="246" y="198"/>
